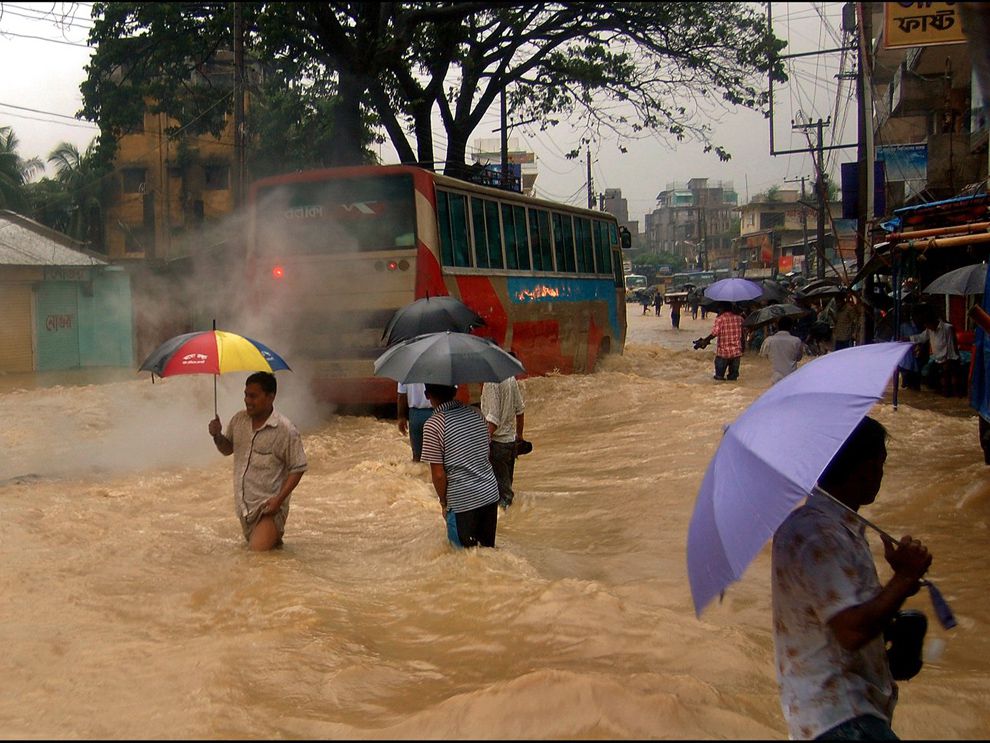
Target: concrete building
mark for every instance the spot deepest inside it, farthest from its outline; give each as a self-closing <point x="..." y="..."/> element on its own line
<point x="930" y="127"/>
<point x="694" y="220"/>
<point x="613" y="202"/>
<point x="522" y="162"/>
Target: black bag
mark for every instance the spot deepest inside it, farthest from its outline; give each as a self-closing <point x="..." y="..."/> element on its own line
<point x="523" y="447"/>
<point x="904" y="638"/>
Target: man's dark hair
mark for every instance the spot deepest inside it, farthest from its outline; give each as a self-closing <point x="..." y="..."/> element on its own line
<point x="442" y="392"/>
<point x="867" y="440"/>
<point x="266" y="380"/>
<point x="785" y="323"/>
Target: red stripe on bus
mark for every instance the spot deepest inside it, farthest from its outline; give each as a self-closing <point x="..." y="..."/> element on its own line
<point x="478" y="293"/>
<point x="429" y="278"/>
<point x="537" y="344"/>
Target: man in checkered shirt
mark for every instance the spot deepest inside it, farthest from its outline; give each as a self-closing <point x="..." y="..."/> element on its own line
<point x="728" y="328"/>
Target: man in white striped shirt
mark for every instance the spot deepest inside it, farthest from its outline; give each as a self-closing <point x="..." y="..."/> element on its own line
<point x="455" y="443"/>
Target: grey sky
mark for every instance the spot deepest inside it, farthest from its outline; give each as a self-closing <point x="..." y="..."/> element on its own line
<point x="44" y="74"/>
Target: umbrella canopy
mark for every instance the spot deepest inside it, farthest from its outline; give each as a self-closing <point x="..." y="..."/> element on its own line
<point x="962" y="281"/>
<point x="773" y="292"/>
<point x="818" y="283"/>
<point x="823" y="291"/>
<point x="773" y="313"/>
<point x="734" y="290"/>
<point x="211" y="352"/>
<point x="430" y="315"/>
<point x="771" y="456"/>
<point x="447" y="358"/>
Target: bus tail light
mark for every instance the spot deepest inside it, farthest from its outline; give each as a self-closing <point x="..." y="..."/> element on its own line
<point x="278" y="272"/>
<point x="392" y="265"/>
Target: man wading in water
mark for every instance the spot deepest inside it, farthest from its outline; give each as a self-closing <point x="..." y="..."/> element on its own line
<point x="269" y="461"/>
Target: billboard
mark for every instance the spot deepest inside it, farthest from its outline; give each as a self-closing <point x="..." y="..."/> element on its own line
<point x="921" y="24"/>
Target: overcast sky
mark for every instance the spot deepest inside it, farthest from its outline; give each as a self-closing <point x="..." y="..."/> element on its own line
<point x="42" y="57"/>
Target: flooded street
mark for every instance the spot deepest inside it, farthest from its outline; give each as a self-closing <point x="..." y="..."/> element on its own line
<point x="132" y="608"/>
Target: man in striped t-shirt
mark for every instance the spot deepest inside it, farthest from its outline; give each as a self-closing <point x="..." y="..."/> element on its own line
<point x="455" y="443"/>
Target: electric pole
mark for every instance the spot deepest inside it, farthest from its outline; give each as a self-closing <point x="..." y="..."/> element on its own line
<point x="804" y="220"/>
<point x="505" y="143"/>
<point x="591" y="185"/>
<point x="238" y="175"/>
<point x="822" y="193"/>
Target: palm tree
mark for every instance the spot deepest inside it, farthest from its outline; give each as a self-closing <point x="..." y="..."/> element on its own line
<point x="15" y="172"/>
<point x="81" y="177"/>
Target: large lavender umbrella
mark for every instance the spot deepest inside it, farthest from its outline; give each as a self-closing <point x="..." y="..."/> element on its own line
<point x="734" y="290"/>
<point x="770" y="458"/>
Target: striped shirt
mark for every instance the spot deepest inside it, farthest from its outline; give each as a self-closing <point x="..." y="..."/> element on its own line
<point x="456" y="436"/>
<point x="728" y="329"/>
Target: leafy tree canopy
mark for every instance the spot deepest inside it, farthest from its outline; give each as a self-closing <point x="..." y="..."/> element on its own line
<point x="634" y="69"/>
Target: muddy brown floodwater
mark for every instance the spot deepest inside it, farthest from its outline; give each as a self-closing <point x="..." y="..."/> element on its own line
<point x="132" y="609"/>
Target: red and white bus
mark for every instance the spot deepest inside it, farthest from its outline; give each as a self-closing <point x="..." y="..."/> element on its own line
<point x="333" y="253"/>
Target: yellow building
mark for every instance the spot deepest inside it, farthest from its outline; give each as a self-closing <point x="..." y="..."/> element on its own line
<point x="167" y="190"/>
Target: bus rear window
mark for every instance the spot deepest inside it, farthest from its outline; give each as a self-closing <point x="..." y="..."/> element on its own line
<point x="339" y="215"/>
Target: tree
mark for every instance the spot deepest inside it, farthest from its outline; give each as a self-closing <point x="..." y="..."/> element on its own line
<point x="637" y="69"/>
<point x="15" y="172"/>
<point x="82" y="176"/>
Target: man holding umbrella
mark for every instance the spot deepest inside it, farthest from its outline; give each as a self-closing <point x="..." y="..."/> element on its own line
<point x="269" y="461"/>
<point x="728" y="328"/>
<point x="829" y="608"/>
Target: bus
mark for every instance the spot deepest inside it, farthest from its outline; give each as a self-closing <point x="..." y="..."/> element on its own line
<point x="333" y="253"/>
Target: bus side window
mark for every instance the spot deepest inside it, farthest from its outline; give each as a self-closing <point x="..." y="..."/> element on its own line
<point x="522" y="237"/>
<point x="494" y="235"/>
<point x="563" y="242"/>
<point x="539" y="238"/>
<point x="455" y="249"/>
<point x="603" y="253"/>
<point x="481" y="259"/>
<point x="582" y="237"/>
<point x="617" y="268"/>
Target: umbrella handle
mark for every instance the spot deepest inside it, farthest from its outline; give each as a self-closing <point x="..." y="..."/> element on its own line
<point x="215" y="413"/>
<point x="939" y="604"/>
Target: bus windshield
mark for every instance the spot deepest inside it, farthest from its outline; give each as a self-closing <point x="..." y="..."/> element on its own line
<point x="635" y="281"/>
<point x="341" y="215"/>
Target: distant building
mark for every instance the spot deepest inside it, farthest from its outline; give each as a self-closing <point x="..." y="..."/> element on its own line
<point x="168" y="191"/>
<point x="694" y="220"/>
<point x="612" y="201"/>
<point x="773" y="227"/>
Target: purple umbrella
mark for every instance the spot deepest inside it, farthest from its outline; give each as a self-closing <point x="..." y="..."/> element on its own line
<point x="734" y="290"/>
<point x="770" y="458"/>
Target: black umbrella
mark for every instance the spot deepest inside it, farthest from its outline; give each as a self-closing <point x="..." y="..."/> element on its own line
<point x="447" y="358"/>
<point x="773" y="292"/>
<point x="430" y="315"/>
<point x="823" y="292"/>
<point x="773" y="313"/>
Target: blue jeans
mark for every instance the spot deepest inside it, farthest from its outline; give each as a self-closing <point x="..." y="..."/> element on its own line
<point x="864" y="727"/>
<point x="417" y="419"/>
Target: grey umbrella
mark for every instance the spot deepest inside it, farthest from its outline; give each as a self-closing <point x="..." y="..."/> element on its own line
<point x="772" y="313"/>
<point x="773" y="292"/>
<point x="822" y="292"/>
<point x="447" y="358"/>
<point x="430" y="315"/>
<point x="962" y="281"/>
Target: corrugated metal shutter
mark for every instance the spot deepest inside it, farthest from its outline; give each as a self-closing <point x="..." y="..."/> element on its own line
<point x="16" y="353"/>
<point x="58" y="325"/>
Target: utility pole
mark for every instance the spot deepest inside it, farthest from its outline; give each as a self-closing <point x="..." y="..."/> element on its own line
<point x="804" y="220"/>
<point x="591" y="185"/>
<point x="821" y="192"/>
<point x="865" y="154"/>
<point x="505" y="143"/>
<point x="238" y="175"/>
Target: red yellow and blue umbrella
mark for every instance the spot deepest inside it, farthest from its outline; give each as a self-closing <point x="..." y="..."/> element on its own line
<point x="211" y="352"/>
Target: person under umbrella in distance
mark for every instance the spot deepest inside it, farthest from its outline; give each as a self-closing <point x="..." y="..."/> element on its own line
<point x="783" y="349"/>
<point x="728" y="328"/>
<point x="412" y="411"/>
<point x="830" y="611"/>
<point x="269" y="461"/>
<point x="456" y="444"/>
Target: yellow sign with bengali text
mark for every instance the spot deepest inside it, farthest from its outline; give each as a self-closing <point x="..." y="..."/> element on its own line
<point x="921" y="24"/>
